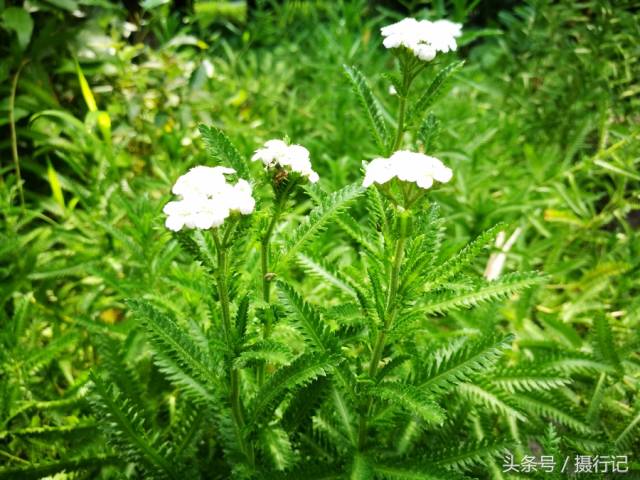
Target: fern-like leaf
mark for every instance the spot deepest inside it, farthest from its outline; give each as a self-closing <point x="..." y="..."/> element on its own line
<point x="528" y="380"/>
<point x="433" y="92"/>
<point x="604" y="342"/>
<point x="177" y="353"/>
<point x="466" y="455"/>
<point x="492" y="398"/>
<point x="412" y="399"/>
<point x="318" y="220"/>
<point x="126" y="431"/>
<point x="370" y="105"/>
<point x="308" y="318"/>
<point x="454" y="265"/>
<point x="628" y="434"/>
<point x="503" y="287"/>
<point x="267" y="350"/>
<point x="318" y="269"/>
<point x="302" y="371"/>
<point x="450" y="367"/>
<point x="222" y="150"/>
<point x="428" y="132"/>
<point x="277" y="447"/>
<point x="549" y="407"/>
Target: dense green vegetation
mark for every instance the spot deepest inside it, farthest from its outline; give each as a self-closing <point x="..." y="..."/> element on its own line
<point x="375" y="349"/>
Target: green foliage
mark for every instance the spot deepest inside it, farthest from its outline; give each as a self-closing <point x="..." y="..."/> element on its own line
<point x="483" y="292"/>
<point x="179" y="357"/>
<point x="370" y="105"/>
<point x="380" y="352"/>
<point x="318" y="220"/>
<point x="452" y="365"/>
<point x="221" y="150"/>
<point x="413" y="399"/>
<point x="433" y="92"/>
<point x="127" y="433"/>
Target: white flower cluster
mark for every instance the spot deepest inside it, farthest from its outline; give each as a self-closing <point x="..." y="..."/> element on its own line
<point x="409" y="167"/>
<point x="277" y="153"/>
<point x="424" y="38"/>
<point x="207" y="199"/>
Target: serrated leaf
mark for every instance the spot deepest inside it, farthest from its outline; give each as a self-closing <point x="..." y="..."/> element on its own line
<point x="503" y="287"/>
<point x="546" y="407"/>
<point x="277" y="446"/>
<point x="491" y="398"/>
<point x="456" y="263"/>
<point x="267" y="350"/>
<point x="308" y="318"/>
<point x="413" y="399"/>
<point x="434" y="91"/>
<point x="370" y="105"/>
<point x="604" y="342"/>
<point x="303" y="370"/>
<point x="449" y="367"/>
<point x="171" y="342"/>
<point x="318" y="220"/>
<point x="222" y="150"/>
<point x="127" y="432"/>
<point x="320" y="270"/>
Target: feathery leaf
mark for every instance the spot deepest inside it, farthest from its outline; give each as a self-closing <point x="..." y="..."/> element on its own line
<point x="318" y="220"/>
<point x="370" y="105"/>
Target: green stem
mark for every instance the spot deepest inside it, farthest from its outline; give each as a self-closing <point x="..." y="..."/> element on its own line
<point x="401" y="114"/>
<point x="223" y="293"/>
<point x="265" y="250"/>
<point x="390" y="315"/>
<point x="266" y="289"/>
<point x="408" y="75"/>
<point x="12" y="126"/>
<point x="395" y="272"/>
<point x="221" y="283"/>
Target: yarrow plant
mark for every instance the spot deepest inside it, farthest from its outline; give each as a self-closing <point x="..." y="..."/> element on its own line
<point x="406" y="166"/>
<point x="423" y="38"/>
<point x="207" y="199"/>
<point x="276" y="154"/>
<point x="350" y="379"/>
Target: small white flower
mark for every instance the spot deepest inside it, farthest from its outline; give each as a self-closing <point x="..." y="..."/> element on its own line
<point x="409" y="167"/>
<point x="392" y="90"/>
<point x="277" y="154"/>
<point x="424" y="38"/>
<point x="207" y="199"/>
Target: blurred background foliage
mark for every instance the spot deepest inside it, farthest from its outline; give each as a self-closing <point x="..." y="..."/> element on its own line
<point x="99" y="106"/>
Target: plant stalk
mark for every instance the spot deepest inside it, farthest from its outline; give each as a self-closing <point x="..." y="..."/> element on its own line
<point x="234" y="396"/>
<point x="401" y="115"/>
<point x="408" y="75"/>
<point x="265" y="249"/>
<point x="390" y="314"/>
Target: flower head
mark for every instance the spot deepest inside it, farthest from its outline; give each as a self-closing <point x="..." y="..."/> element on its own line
<point x="207" y="199"/>
<point x="409" y="167"/>
<point x="295" y="158"/>
<point x="424" y="38"/>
